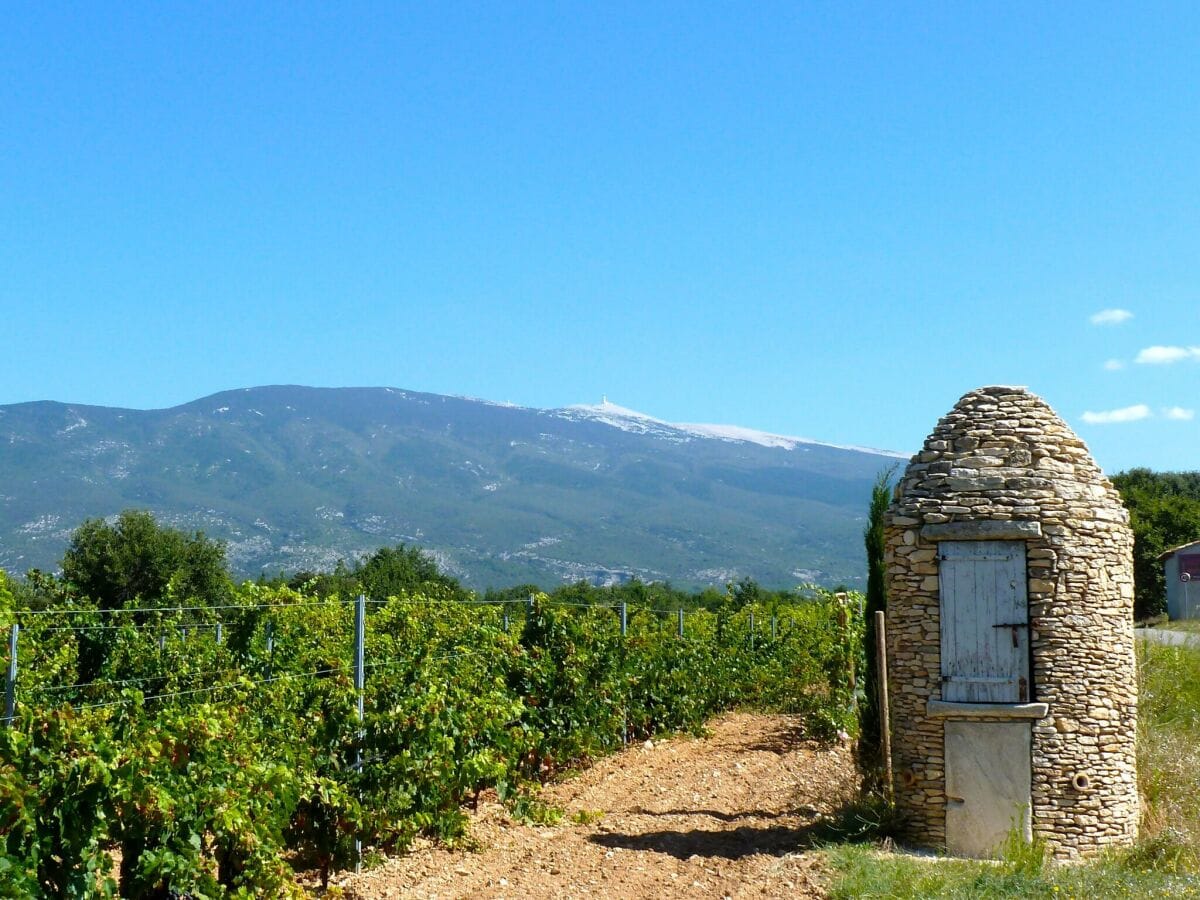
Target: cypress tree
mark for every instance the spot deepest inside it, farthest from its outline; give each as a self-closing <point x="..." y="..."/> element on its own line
<point x="870" y="761"/>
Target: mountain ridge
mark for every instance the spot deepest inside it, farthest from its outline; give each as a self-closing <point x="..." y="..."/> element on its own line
<point x="297" y="477"/>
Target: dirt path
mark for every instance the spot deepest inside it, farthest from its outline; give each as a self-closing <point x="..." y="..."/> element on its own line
<point x="720" y="816"/>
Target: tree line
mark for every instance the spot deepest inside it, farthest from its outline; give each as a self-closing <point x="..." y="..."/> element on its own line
<point x="1164" y="512"/>
<point x="137" y="561"/>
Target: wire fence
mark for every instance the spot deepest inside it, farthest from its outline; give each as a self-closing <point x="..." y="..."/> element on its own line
<point x="229" y="678"/>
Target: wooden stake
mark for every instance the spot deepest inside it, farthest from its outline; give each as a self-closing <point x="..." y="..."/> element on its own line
<point x="885" y="729"/>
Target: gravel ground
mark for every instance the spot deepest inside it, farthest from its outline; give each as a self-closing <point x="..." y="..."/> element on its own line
<point x="719" y="816"/>
<point x="1164" y="636"/>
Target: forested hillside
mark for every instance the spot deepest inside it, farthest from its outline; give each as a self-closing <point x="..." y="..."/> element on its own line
<point x="297" y="478"/>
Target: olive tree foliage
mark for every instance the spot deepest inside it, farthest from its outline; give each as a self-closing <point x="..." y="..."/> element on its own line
<point x="137" y="562"/>
<point x="869" y="742"/>
<point x="398" y="571"/>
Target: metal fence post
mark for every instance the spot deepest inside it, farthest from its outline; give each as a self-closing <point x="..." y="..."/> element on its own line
<point x="624" y="613"/>
<point x="506" y="623"/>
<point x="220" y="634"/>
<point x="774" y="626"/>
<point x="10" y="690"/>
<point x="680" y="629"/>
<point x="360" y="641"/>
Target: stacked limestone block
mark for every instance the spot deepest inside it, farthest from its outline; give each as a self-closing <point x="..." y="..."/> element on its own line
<point x="1002" y="455"/>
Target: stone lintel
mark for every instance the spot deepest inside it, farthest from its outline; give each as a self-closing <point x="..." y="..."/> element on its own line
<point x="948" y="709"/>
<point x="982" y="531"/>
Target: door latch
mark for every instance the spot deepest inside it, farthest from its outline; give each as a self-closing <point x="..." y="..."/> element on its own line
<point x="1014" y="626"/>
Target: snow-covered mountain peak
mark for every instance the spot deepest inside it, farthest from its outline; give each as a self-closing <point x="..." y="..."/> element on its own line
<point x="608" y="413"/>
<point x="766" y="439"/>
<point x="747" y="435"/>
<point x="621" y="417"/>
<point x="607" y="409"/>
<point x="627" y="419"/>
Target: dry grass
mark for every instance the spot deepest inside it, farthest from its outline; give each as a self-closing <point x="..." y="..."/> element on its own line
<point x="1169" y="751"/>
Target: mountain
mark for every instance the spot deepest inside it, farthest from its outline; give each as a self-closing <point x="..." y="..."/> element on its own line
<point x="295" y="478"/>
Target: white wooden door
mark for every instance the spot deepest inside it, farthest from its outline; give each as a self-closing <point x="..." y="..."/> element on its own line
<point x="988" y="779"/>
<point x="985" y="621"/>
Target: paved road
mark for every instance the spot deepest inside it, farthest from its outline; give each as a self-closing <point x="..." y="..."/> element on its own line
<point x="1163" y="636"/>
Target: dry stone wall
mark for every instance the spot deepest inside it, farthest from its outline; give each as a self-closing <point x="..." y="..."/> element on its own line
<point x="1003" y="465"/>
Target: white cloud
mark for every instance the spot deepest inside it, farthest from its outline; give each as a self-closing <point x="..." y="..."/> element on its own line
<point x="1159" y="356"/>
<point x="1114" y="365"/>
<point x="1179" y="414"/>
<point x="1113" y="416"/>
<point x="1111" y="317"/>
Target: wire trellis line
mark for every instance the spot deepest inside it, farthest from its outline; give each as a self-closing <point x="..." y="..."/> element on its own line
<point x="417" y="660"/>
<point x="131" y="610"/>
<point x="149" y="626"/>
<point x="229" y="685"/>
<point x="99" y="682"/>
<point x="428" y="601"/>
<point x="339" y="602"/>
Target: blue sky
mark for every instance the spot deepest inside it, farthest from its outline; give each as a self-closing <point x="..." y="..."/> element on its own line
<point x="826" y="220"/>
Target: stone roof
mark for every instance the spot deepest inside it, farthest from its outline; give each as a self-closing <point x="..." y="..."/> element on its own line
<point x="1007" y="447"/>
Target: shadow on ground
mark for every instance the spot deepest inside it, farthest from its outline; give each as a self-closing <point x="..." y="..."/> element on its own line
<point x="789" y="740"/>
<point x="774" y="840"/>
<point x="858" y="821"/>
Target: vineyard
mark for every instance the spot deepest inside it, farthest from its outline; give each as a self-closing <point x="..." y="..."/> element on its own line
<point x="215" y="750"/>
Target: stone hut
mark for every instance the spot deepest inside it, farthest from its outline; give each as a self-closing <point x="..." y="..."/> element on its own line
<point x="1010" y="636"/>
